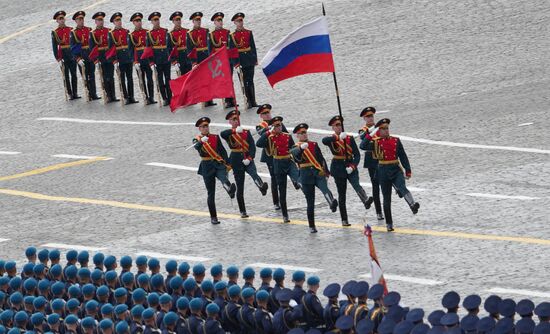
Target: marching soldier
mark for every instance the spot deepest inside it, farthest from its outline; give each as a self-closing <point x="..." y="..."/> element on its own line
<point x="313" y="310"/>
<point x="214" y="164"/>
<point x="197" y="44"/>
<point x="157" y="38"/>
<point x="313" y="172"/>
<point x="278" y="144"/>
<point x="262" y="317"/>
<point x="343" y="167"/>
<point x="370" y="163"/>
<point x="119" y="38"/>
<point x="177" y="42"/>
<point x="391" y="155"/>
<point x="81" y="36"/>
<point x="138" y="39"/>
<point x="243" y="152"/>
<point x="218" y="39"/>
<point x="243" y="40"/>
<point x="62" y="52"/>
<point x="99" y="37"/>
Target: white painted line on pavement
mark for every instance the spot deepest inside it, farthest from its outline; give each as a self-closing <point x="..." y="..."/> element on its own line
<point x="284" y="266"/>
<point x="71" y="156"/>
<point x="415" y="280"/>
<point x="9" y="152"/>
<point x="318" y="131"/>
<point x="382" y="111"/>
<point x="493" y="196"/>
<point x="174" y="257"/>
<point x="4" y="240"/>
<point x="75" y="247"/>
<point x="525" y="124"/>
<point x="522" y="292"/>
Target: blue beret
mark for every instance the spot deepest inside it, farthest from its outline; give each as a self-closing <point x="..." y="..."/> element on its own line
<point x="365" y="326"/>
<point x="376" y="292"/>
<point x="38" y="269"/>
<point x="30" y="251"/>
<point x="299" y="276"/>
<point x="153" y="299"/>
<point x="10" y="265"/>
<point x="141" y="260"/>
<point x="72" y="304"/>
<point x="16" y="298"/>
<point x="525" y="307"/>
<point x="157" y="280"/>
<point x="221" y="285"/>
<point x="98" y="258"/>
<point x="102" y="291"/>
<point x="392" y="298"/>
<point x="21" y="316"/>
<point x="56" y="270"/>
<point x="420" y="329"/>
<point x="6" y="316"/>
<point x="106" y="323"/>
<point x="507" y="308"/>
<point x="53" y="319"/>
<point x="83" y="256"/>
<point x="450" y="300"/>
<point x="207" y="285"/>
<point x="216" y="269"/>
<point x="176" y="282"/>
<point x="88" y="289"/>
<point x="360" y="289"/>
<point x="212" y="308"/>
<point x="138" y="295"/>
<point x="111" y="276"/>
<point x="435" y="318"/>
<point x="182" y="303"/>
<point x="471" y="302"/>
<point x="44" y="284"/>
<point x="121" y="308"/>
<point x="71" y="319"/>
<point x="195" y="304"/>
<point x="190" y="284"/>
<point x="88" y="322"/>
<point x="248" y="272"/>
<point x="143" y="279"/>
<point x="504" y="326"/>
<point x="28" y="300"/>
<point x="262" y="295"/>
<point x="121" y="327"/>
<point x="449" y="319"/>
<point x="125" y="261"/>
<point x="525" y="325"/>
<point x="199" y="269"/>
<point x="469" y="323"/>
<point x="107" y="309"/>
<point x="148" y="313"/>
<point x="247" y="293"/>
<point x="37" y="318"/>
<point x="84" y="273"/>
<point x="284" y="295"/>
<point x="92" y="305"/>
<point x="96" y="275"/>
<point x="165" y="299"/>
<point x="127" y="278"/>
<point x="542" y="328"/>
<point x="344" y="322"/>
<point x="4" y="280"/>
<point x="153" y="263"/>
<point x="58" y="288"/>
<point x="170" y="318"/>
<point x="266" y="273"/>
<point x="43" y="255"/>
<point x="404" y="327"/>
<point x="491" y="304"/>
<point x="109" y="262"/>
<point x="232" y="271"/>
<point x="30" y="284"/>
<point x="54" y="254"/>
<point x="234" y="290"/>
<point x="543" y="309"/>
<point x="28" y="267"/>
<point x="171" y="266"/>
<point x="71" y="255"/>
<point x="71" y="271"/>
<point x="279" y="274"/>
<point x="415" y="315"/>
<point x="386" y="326"/>
<point x="183" y="268"/>
<point x="313" y="280"/>
<point x="39" y="302"/>
<point x="137" y="310"/>
<point x="58" y="304"/>
<point x="332" y="290"/>
<point x="74" y="291"/>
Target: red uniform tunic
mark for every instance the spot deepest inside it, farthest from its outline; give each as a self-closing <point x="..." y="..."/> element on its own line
<point x="178" y="37"/>
<point x="198" y="39"/>
<point x="100" y="38"/>
<point x="219" y="38"/>
<point x="82" y="36"/>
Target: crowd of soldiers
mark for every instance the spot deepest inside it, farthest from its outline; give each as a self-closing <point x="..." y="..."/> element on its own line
<point x="151" y="52"/>
<point x="303" y="162"/>
<point x="48" y="297"/>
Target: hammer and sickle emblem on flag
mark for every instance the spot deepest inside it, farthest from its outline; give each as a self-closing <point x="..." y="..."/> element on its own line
<point x="216" y="69"/>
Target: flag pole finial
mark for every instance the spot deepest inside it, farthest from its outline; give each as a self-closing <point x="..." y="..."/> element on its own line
<point x="323" y="5"/>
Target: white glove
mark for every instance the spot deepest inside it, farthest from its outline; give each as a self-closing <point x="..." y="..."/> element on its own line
<point x="292" y="303"/>
<point x="152" y="66"/>
<point x="246" y="162"/>
<point x="343" y="135"/>
<point x="239" y="129"/>
<point x="349" y="170"/>
<point x="204" y="139"/>
<point x="81" y="62"/>
<point x="137" y="67"/>
<point x="304" y="146"/>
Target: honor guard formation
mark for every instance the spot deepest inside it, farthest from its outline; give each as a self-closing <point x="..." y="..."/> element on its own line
<point x="303" y="162"/>
<point x="132" y="296"/>
<point x="152" y="53"/>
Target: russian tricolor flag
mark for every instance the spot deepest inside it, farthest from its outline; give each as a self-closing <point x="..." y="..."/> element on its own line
<point x="303" y="51"/>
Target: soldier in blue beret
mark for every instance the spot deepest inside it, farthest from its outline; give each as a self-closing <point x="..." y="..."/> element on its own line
<point x="71" y="324"/>
<point x="195" y="319"/>
<point x="299" y="278"/>
<point x="106" y="326"/>
<point x="361" y="310"/>
<point x="149" y="321"/>
<point x="43" y="256"/>
<point x="98" y="259"/>
<point x="176" y="286"/>
<point x="343" y="168"/>
<point x="88" y="325"/>
<point x="157" y="283"/>
<point x="206" y="293"/>
<point x="230" y="314"/>
<point x="262" y="317"/>
<point x="248" y="275"/>
<point x="246" y="313"/>
<point x="53" y="322"/>
<point x="183" y="270"/>
<point x="211" y="325"/>
<point x="313" y="310"/>
<point x="279" y="278"/>
<point x="199" y="272"/>
<point x="286" y="317"/>
<point x="110" y="263"/>
<point x="347" y="306"/>
<point x="165" y="302"/>
<point x="313" y="172"/>
<point x="190" y="286"/>
<point x="216" y="271"/>
<point x="232" y="275"/>
<point x="83" y="258"/>
<point x="122" y="327"/>
<point x="332" y="309"/>
<point x="377" y="312"/>
<point x="221" y="294"/>
<point x="11" y="269"/>
<point x="154" y="266"/>
<point x="171" y="267"/>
